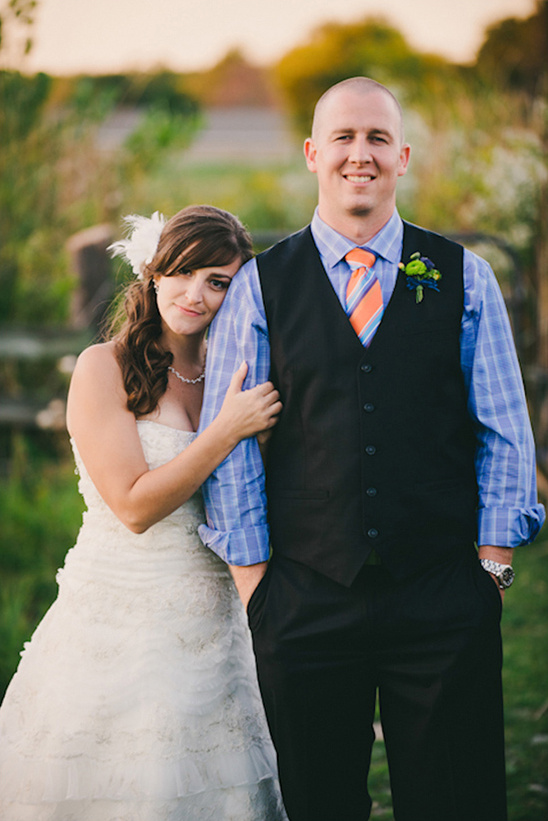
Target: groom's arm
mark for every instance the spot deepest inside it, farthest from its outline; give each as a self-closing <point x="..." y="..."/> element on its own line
<point x="508" y="512"/>
<point x="234" y="494"/>
<point x="247" y="579"/>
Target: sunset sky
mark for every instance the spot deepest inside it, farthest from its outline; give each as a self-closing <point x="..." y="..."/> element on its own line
<point x="110" y="35"/>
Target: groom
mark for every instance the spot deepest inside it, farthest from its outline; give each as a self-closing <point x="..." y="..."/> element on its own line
<point x="404" y="440"/>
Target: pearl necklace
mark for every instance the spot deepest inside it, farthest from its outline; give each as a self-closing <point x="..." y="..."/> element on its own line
<point x="184" y="379"/>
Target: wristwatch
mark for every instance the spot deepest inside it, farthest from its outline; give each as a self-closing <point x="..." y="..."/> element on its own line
<point x="504" y="573"/>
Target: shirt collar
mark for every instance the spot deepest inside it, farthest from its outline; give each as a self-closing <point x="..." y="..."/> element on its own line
<point x="387" y="243"/>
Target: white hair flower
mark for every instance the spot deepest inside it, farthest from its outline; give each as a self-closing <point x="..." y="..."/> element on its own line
<point x="140" y="246"/>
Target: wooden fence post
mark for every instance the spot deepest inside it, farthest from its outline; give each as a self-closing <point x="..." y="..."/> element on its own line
<point x="88" y="251"/>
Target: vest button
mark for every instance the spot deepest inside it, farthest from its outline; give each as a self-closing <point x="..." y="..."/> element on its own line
<point x="367" y="368"/>
<point x="372" y="532"/>
<point x="369" y="407"/>
<point x="371" y="491"/>
<point x="370" y="450"/>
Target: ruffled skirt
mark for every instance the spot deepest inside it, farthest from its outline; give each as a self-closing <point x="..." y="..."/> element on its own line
<point x="136" y="698"/>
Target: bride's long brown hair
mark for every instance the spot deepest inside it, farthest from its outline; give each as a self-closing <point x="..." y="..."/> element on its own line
<point x="200" y="236"/>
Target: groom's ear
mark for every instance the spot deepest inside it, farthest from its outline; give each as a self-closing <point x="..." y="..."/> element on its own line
<point x="405" y="152"/>
<point x="310" y="154"/>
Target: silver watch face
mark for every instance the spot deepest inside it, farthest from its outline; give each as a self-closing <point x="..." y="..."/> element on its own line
<point x="506" y="577"/>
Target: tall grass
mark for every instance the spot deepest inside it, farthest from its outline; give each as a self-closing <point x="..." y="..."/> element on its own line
<point x="40" y="512"/>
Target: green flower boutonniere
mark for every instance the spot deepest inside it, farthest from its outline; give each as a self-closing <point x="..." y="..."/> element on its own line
<point x="420" y="274"/>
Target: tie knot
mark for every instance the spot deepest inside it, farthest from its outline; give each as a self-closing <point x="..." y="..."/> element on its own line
<point x="358" y="258"/>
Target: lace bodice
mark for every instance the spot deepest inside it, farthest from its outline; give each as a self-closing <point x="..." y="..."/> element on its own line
<point x="160" y="443"/>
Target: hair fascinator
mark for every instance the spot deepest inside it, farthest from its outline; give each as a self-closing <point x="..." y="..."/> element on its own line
<point x="140" y="246"/>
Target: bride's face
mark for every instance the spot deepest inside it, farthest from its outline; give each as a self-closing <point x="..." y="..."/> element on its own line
<point x="188" y="301"/>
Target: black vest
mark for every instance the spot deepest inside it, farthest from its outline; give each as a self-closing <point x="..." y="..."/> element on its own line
<point x="375" y="448"/>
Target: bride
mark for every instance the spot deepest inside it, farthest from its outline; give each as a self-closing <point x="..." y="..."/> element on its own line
<point x="136" y="698"/>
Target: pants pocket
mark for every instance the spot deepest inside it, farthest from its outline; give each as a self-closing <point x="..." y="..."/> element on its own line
<point x="488" y="590"/>
<point x="255" y="605"/>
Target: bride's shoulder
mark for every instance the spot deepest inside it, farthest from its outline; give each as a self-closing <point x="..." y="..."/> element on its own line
<point x="96" y="386"/>
<point x="98" y="358"/>
<point x="97" y="369"/>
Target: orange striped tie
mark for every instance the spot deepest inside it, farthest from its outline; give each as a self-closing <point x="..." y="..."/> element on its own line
<point x="363" y="295"/>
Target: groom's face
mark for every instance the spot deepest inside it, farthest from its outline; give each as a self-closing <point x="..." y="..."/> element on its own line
<point x="357" y="152"/>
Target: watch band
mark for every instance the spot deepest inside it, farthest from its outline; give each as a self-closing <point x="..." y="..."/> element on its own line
<point x="504" y="573"/>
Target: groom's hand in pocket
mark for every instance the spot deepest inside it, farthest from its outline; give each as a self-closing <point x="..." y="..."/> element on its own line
<point x="246" y="579"/>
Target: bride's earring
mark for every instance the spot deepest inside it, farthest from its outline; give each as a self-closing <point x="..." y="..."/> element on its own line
<point x="156" y="287"/>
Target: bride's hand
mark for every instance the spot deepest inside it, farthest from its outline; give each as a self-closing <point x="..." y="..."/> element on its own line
<point x="245" y="413"/>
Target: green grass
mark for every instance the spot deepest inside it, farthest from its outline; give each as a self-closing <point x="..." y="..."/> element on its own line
<point x="525" y="631"/>
<point x="40" y="512"/>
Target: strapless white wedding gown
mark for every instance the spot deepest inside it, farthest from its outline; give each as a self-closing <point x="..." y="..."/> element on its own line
<point x="136" y="698"/>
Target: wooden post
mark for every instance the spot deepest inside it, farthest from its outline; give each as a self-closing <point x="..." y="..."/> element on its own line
<point x="91" y="299"/>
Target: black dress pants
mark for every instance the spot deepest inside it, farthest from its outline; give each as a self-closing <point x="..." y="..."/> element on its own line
<point x="430" y="646"/>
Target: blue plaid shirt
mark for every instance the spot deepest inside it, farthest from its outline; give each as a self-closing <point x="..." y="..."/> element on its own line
<point x="234" y="495"/>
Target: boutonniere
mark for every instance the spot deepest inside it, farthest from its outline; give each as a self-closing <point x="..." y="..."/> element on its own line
<point x="420" y="274"/>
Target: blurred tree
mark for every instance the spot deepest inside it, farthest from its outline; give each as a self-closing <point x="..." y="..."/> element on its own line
<point x="159" y="89"/>
<point x="233" y="81"/>
<point x="513" y="59"/>
<point x="38" y="147"/>
<point x="16" y="19"/>
<point x="372" y="48"/>
<point x="514" y="53"/>
<point x="23" y="196"/>
<point x="22" y="102"/>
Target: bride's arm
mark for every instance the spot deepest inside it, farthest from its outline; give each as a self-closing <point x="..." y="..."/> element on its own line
<point x="105" y="433"/>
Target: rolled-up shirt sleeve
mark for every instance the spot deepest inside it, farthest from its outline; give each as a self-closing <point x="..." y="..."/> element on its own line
<point x="234" y="495"/>
<point x="508" y="512"/>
